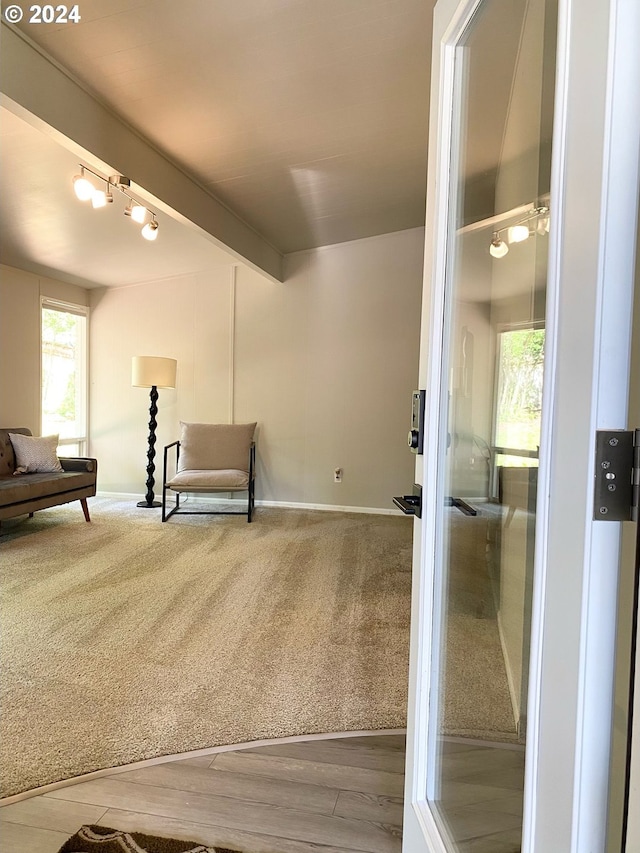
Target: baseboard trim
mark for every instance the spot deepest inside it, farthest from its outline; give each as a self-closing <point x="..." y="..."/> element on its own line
<point x="365" y="510"/>
<point x="515" y="703"/>
<point x="485" y="744"/>
<point x="194" y="753"/>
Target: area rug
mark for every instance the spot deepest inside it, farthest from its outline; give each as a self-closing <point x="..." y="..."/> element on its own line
<point x="101" y="839"/>
<point x="127" y="639"/>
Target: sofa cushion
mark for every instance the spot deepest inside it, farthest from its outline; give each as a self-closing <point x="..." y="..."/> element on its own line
<point x="215" y="446"/>
<point x="30" y="486"/>
<point x="35" y="455"/>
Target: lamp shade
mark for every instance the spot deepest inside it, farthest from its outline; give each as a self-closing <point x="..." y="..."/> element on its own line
<point x="149" y="370"/>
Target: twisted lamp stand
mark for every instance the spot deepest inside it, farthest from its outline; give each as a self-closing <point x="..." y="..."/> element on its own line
<point x="151" y="453"/>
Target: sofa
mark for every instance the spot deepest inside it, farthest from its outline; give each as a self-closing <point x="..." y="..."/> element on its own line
<point x="24" y="494"/>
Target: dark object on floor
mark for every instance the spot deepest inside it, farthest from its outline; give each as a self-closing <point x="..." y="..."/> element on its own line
<point x="102" y="839"/>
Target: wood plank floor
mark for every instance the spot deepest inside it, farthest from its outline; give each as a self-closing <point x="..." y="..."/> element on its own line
<point x="335" y="796"/>
<point x="342" y="795"/>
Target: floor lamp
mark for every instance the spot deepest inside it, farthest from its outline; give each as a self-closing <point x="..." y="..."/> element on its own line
<point x="148" y="371"/>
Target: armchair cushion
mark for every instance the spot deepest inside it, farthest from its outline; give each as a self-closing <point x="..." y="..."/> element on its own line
<point x="211" y="447"/>
<point x="206" y="481"/>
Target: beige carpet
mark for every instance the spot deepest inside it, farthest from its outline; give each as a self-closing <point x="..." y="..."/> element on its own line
<point x="477" y="702"/>
<point x="128" y="639"/>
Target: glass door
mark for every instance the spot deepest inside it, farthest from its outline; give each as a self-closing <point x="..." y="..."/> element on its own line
<point x="493" y="358"/>
<point x="513" y="614"/>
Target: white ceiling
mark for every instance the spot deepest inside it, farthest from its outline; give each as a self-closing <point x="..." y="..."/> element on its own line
<point x="307" y="119"/>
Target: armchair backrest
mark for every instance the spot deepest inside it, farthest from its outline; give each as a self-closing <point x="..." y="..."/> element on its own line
<point x="215" y="447"/>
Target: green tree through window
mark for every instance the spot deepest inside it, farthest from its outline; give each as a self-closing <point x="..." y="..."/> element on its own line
<point x="63" y="374"/>
<point x="519" y="398"/>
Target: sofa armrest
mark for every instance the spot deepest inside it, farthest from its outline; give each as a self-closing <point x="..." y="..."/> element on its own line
<point x="79" y="464"/>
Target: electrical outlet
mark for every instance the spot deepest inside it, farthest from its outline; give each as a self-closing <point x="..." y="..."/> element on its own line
<point x="337" y="475"/>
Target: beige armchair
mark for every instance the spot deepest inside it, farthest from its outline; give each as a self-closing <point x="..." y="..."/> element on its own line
<point x="211" y="458"/>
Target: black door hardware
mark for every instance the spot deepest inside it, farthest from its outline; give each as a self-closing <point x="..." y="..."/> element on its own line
<point x="463" y="506"/>
<point x="617" y="475"/>
<point x="411" y="504"/>
<point x="416" y="433"/>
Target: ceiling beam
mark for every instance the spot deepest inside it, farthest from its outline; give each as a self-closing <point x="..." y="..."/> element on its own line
<point x="40" y="90"/>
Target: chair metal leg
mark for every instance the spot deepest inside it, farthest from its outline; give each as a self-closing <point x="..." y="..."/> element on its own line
<point x="167" y="515"/>
<point x="250" y="501"/>
<point x="252" y="467"/>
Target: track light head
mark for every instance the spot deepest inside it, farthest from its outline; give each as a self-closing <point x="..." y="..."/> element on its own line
<point x="498" y="248"/>
<point x="518" y="233"/>
<point x="542" y="226"/>
<point x="82" y="187"/>
<point x="150" y="230"/>
<point x="138" y="213"/>
<point x="99" y="198"/>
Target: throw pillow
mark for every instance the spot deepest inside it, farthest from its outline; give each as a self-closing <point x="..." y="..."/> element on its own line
<point x="35" y="455"/>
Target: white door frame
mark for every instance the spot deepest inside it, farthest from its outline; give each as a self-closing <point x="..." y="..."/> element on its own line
<point x="594" y="201"/>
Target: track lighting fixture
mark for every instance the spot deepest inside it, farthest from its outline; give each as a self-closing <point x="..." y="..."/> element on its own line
<point x="535" y="222"/>
<point x="86" y="191"/>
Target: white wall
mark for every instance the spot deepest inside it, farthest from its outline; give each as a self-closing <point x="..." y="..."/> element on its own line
<point x="20" y="294"/>
<point x="325" y="363"/>
<point x="185" y="318"/>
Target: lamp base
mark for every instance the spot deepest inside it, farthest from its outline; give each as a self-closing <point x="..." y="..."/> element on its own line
<point x="149" y="505"/>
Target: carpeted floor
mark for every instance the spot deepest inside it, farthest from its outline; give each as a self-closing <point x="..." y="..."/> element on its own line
<point x="128" y="639"/>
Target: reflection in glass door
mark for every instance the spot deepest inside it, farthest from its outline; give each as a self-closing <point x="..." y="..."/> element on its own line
<point x="494" y="356"/>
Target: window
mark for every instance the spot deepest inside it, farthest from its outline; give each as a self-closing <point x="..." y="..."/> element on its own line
<point x="520" y="364"/>
<point x="64" y="374"/>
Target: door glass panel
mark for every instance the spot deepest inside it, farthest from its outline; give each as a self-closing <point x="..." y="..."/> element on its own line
<point x="499" y="219"/>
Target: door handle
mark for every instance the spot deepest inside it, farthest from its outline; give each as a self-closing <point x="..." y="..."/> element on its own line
<point x="411" y="504"/>
<point x="463" y="506"/>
